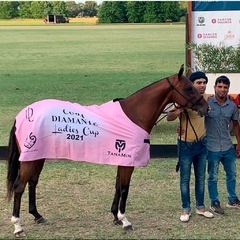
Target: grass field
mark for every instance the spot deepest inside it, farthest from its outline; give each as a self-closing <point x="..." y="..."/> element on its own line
<point x="86" y="64"/>
<point x="76" y="198"/>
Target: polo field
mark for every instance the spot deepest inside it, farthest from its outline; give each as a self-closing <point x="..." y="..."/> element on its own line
<point x="92" y="64"/>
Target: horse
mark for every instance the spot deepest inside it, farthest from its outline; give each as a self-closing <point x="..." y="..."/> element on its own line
<point x="142" y="110"/>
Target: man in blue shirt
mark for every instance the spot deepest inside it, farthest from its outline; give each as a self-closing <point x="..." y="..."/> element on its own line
<point x="220" y="146"/>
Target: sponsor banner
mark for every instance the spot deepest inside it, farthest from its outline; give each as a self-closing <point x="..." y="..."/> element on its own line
<point x="213" y="27"/>
<point x="216" y="23"/>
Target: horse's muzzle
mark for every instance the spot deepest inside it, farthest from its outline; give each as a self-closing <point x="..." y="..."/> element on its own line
<point x="204" y="112"/>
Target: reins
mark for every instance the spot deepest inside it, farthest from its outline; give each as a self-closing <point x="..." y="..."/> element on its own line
<point x="187" y="120"/>
<point x="165" y="109"/>
<point x="180" y="144"/>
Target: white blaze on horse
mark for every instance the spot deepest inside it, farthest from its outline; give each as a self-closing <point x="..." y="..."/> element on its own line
<point x="115" y="133"/>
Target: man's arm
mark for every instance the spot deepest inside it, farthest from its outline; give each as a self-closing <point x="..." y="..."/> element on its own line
<point x="173" y="114"/>
<point x="236" y="129"/>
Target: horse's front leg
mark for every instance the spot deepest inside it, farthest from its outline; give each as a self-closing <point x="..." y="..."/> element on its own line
<point x="123" y="179"/>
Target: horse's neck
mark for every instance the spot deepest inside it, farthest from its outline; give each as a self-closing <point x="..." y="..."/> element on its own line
<point x="145" y="106"/>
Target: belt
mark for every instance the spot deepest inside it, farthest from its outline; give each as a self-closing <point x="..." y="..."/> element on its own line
<point x="195" y="141"/>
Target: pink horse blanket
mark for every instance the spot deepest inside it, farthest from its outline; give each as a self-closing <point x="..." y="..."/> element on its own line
<point x="55" y="129"/>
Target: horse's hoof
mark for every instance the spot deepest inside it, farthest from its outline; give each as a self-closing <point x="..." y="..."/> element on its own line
<point x="128" y="228"/>
<point x="20" y="234"/>
<point x="40" y="220"/>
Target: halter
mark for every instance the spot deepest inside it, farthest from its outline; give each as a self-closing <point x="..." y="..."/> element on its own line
<point x="173" y="88"/>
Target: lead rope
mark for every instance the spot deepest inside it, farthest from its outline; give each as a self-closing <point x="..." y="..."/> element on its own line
<point x="188" y="120"/>
<point x="180" y="145"/>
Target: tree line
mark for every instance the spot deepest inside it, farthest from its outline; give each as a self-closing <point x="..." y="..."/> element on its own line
<point x="107" y="12"/>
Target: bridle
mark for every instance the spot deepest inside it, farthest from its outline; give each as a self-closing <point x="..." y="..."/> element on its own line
<point x="173" y="88"/>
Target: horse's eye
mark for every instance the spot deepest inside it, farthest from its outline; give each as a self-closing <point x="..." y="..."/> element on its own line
<point x="189" y="90"/>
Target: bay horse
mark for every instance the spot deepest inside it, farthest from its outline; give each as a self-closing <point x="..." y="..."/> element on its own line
<point x="142" y="109"/>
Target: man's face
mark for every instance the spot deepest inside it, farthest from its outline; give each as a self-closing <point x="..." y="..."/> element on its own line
<point x="200" y="85"/>
<point x="221" y="90"/>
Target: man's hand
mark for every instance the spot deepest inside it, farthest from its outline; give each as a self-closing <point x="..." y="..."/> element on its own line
<point x="178" y="131"/>
<point x="180" y="110"/>
<point x="173" y="114"/>
<point x="238" y="150"/>
<point x="210" y="96"/>
<point x="230" y="97"/>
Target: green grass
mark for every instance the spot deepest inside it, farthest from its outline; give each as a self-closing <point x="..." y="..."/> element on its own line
<point x="21" y="22"/>
<point x="76" y="198"/>
<point x="85" y="64"/>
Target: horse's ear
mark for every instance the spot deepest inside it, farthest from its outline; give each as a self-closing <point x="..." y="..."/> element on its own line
<point x="180" y="73"/>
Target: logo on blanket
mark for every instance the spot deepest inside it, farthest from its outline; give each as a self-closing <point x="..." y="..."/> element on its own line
<point x="29" y="114"/>
<point x="120" y="145"/>
<point x="74" y="124"/>
<point x="30" y="141"/>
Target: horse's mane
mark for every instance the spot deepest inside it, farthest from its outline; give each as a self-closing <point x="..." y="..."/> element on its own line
<point x="147" y="86"/>
<point x="117" y="99"/>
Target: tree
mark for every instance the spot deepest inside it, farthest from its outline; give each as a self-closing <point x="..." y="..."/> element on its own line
<point x="90" y="9"/>
<point x="171" y="11"/>
<point x="81" y="9"/>
<point x="40" y="9"/>
<point x="153" y="12"/>
<point x="25" y="10"/>
<point x="108" y="12"/>
<point x="73" y="8"/>
<point x="8" y="10"/>
<point x="162" y="11"/>
<point x="135" y="11"/>
<point x="59" y="7"/>
<point x="183" y="5"/>
<point x="112" y="12"/>
<point x="183" y="8"/>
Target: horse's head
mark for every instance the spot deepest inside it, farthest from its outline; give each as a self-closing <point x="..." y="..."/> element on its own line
<point x="186" y="95"/>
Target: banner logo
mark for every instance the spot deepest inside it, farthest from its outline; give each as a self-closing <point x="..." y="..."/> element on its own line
<point x="222" y="21"/>
<point x="120" y="145"/>
<point x="201" y="21"/>
<point x="229" y="36"/>
<point x="214" y="21"/>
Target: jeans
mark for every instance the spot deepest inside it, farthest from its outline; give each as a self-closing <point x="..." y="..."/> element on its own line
<point x="192" y="153"/>
<point x="228" y="160"/>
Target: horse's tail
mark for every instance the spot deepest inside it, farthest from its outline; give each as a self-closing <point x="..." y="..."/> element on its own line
<point x="12" y="162"/>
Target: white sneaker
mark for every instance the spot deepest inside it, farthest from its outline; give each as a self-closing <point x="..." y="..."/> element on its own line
<point x="206" y="214"/>
<point x="185" y="217"/>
